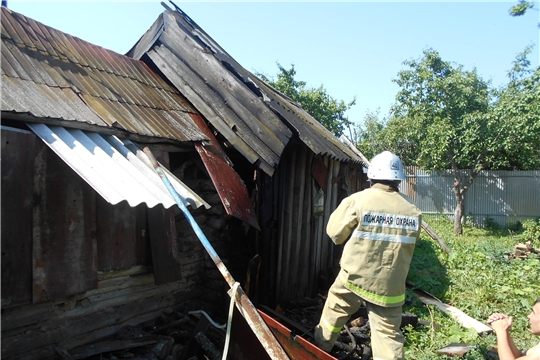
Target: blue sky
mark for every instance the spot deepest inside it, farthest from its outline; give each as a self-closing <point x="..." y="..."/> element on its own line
<point x="352" y="48"/>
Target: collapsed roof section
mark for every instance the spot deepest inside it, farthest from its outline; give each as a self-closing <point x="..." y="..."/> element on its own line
<point x="255" y="118"/>
<point x="76" y="95"/>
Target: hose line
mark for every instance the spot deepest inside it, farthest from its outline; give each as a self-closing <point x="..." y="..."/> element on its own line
<point x="231" y="308"/>
<point x="229" y="321"/>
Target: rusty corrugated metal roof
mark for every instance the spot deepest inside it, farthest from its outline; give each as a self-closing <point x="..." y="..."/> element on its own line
<point x="255" y="118"/>
<point x="50" y="76"/>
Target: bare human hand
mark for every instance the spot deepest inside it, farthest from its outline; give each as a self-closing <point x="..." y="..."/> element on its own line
<point x="500" y="322"/>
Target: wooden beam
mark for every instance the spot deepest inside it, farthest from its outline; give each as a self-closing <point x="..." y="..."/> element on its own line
<point x="457" y="314"/>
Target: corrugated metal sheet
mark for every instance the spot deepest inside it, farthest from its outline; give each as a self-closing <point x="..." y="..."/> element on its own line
<point x="50" y="75"/>
<point x="504" y="196"/>
<point x="117" y="169"/>
<point x="238" y="104"/>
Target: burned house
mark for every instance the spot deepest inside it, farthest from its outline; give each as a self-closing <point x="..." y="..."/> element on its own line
<point x="89" y="233"/>
<point x="295" y="170"/>
<point x="91" y="239"/>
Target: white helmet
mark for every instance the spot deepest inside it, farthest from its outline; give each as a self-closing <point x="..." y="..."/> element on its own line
<point x="386" y="166"/>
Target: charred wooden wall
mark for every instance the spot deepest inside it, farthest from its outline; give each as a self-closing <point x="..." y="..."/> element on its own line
<point x="76" y="269"/>
<point x="294" y="207"/>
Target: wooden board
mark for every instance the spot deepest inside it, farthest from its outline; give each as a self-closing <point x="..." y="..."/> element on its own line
<point x="457" y="314"/>
<point x="18" y="153"/>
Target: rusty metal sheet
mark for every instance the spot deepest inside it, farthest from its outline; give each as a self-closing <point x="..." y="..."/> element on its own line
<point x="244" y="344"/>
<point x="319" y="171"/>
<point x="113" y="87"/>
<point x="230" y="187"/>
<point x="295" y="346"/>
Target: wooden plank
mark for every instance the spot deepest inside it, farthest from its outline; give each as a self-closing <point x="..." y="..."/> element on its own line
<point x="266" y="208"/>
<point x="64" y="230"/>
<point x="164" y="245"/>
<point x="229" y="185"/>
<point x="288" y="223"/>
<point x="101" y="347"/>
<point x="18" y="154"/>
<point x="121" y="240"/>
<point x="104" y="321"/>
<point x="16" y="320"/>
<point x="298" y="284"/>
<point x="434" y="236"/>
<point x="135" y="270"/>
<point x="307" y="238"/>
<point x="457" y="314"/>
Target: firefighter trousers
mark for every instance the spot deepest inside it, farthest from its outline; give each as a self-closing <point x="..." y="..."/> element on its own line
<point x="386" y="337"/>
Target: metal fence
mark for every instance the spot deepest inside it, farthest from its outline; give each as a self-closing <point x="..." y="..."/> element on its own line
<point x="504" y="197"/>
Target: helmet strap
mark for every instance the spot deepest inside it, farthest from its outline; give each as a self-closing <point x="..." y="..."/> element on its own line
<point x="394" y="184"/>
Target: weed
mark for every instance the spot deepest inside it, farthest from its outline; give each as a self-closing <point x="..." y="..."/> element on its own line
<point x="531" y="231"/>
<point x="476" y="277"/>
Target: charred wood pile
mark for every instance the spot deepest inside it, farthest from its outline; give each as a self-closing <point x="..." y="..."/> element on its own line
<point x="172" y="336"/>
<point x="179" y="335"/>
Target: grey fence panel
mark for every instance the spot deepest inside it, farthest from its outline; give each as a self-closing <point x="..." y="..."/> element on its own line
<point x="505" y="197"/>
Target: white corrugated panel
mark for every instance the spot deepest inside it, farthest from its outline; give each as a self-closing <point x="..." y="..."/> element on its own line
<point x="117" y="169"/>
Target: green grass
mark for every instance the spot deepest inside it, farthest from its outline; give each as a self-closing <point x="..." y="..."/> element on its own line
<point x="478" y="278"/>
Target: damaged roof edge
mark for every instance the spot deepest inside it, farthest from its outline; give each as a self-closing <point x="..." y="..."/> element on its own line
<point x="29" y="118"/>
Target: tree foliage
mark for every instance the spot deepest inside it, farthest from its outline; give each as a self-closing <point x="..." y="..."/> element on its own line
<point x="316" y="101"/>
<point x="448" y="118"/>
<point x="436" y="107"/>
<point x="521" y="7"/>
<point x="367" y="134"/>
<point x="516" y="118"/>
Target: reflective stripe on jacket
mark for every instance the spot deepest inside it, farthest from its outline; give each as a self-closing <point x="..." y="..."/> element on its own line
<point x="381" y="226"/>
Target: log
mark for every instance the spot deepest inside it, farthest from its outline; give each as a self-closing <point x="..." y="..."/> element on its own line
<point x="208" y="347"/>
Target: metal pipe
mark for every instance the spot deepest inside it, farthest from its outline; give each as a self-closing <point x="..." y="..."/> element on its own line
<point x="244" y="305"/>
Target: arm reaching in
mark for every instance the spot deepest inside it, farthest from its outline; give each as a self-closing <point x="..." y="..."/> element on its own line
<point x="501" y="324"/>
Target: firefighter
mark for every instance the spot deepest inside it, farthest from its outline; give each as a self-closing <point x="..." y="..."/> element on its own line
<point x="379" y="227"/>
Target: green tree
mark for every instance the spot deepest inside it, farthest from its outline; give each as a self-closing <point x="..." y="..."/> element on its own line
<point x="521" y="7"/>
<point x="316" y="101"/>
<point x="367" y="134"/>
<point x="438" y="119"/>
<point x="515" y="118"/>
<point x="448" y="118"/>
